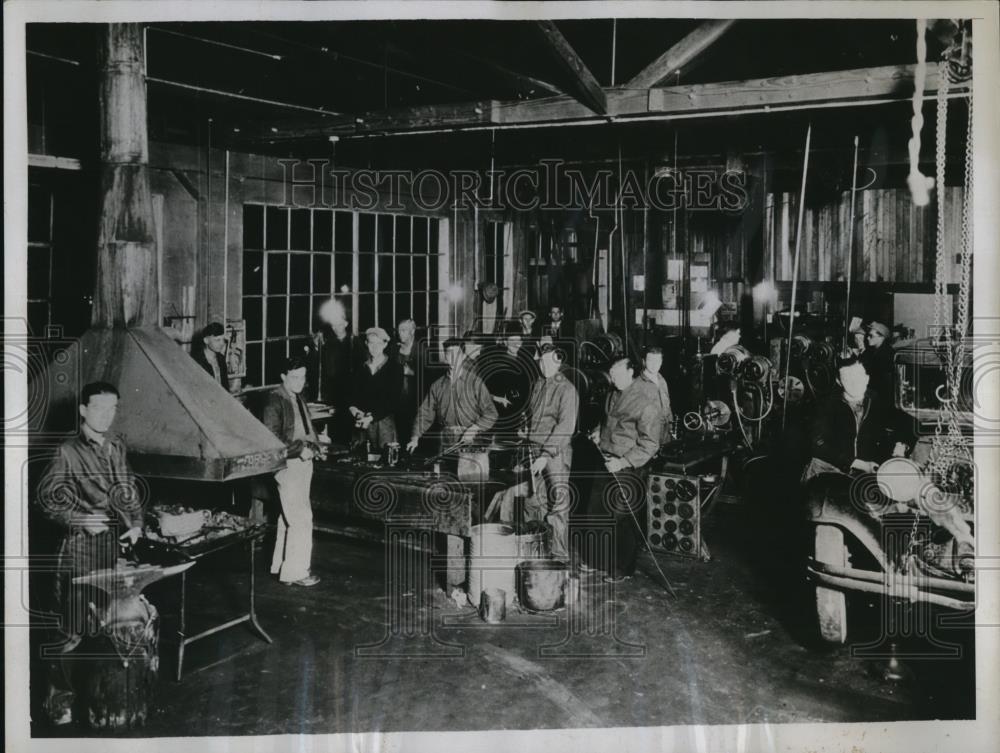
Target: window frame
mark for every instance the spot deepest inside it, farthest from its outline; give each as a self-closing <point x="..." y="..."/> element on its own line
<point x="432" y="314"/>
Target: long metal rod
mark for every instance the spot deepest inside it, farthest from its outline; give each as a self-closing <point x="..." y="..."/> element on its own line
<point x="243" y="97"/>
<point x="225" y="248"/>
<point x="621" y="240"/>
<point x="614" y="48"/>
<point x="795" y="272"/>
<point x="216" y="43"/>
<point x="850" y="245"/>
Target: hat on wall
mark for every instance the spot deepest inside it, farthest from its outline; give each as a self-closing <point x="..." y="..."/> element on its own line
<point x="879" y="329"/>
<point x="378" y="332"/>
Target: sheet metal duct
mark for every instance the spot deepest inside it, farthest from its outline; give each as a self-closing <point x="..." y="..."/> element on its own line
<point x="177" y="421"/>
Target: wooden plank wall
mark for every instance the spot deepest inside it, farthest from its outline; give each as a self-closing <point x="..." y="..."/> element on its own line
<point x="894" y="240"/>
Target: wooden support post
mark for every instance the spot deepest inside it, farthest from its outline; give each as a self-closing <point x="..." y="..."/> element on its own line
<point x="125" y="293"/>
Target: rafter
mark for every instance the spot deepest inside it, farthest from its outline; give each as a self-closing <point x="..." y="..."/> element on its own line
<point x="585" y="87"/>
<point x="839" y="88"/>
<point x="681" y="54"/>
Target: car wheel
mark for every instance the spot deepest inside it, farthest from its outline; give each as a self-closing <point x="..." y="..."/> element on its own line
<point x="831" y="605"/>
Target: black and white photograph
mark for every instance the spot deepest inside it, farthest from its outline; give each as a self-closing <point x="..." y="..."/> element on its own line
<point x="554" y="376"/>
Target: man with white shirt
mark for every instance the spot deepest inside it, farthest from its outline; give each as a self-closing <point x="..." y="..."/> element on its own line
<point x="285" y="414"/>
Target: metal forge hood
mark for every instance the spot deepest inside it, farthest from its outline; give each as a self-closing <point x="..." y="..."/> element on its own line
<point x="176" y="420"/>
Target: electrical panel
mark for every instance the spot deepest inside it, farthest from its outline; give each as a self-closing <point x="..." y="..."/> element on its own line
<point x="673" y="517"/>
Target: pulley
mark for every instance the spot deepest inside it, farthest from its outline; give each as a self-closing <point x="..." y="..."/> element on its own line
<point x="794" y="387"/>
<point x="755" y="369"/>
<point x="821" y="353"/>
<point x="717" y="414"/>
<point x="801" y="345"/>
<point x="730" y="360"/>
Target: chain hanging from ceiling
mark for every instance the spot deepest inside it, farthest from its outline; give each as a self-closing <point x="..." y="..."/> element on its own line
<point x="949" y="444"/>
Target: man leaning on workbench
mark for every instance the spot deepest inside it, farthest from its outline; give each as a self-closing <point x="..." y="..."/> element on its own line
<point x="458" y="401"/>
<point x="90" y="493"/>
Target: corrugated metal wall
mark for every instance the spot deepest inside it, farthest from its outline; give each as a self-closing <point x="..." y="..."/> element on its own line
<point x="894" y="240"/>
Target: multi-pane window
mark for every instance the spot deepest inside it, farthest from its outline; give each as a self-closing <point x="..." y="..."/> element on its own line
<point x="39" y="259"/>
<point x="383" y="266"/>
<point x="496" y="260"/>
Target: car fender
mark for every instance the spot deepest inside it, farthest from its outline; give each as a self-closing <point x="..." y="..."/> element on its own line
<point x="828" y="502"/>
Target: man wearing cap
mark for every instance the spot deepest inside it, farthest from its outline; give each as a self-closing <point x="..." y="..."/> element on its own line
<point x="211" y="353"/>
<point x="509" y="374"/>
<point x="375" y="394"/>
<point x="877" y="360"/>
<point x="553" y="408"/>
<point x="527" y="318"/>
<point x="625" y="442"/>
<point x="286" y="416"/>
<point x="458" y="401"/>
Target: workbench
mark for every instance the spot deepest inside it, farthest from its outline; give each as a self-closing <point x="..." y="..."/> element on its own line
<point x="250" y="538"/>
<point x="695" y="457"/>
<point x="401" y="497"/>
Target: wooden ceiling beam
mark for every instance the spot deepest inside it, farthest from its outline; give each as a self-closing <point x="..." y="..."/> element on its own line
<point x="887" y="83"/>
<point x="681" y="54"/>
<point x="585" y="87"/>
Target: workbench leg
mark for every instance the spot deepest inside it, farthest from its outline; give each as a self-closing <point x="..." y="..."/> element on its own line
<point x="182" y="627"/>
<point x="456" y="561"/>
<point x="253" y="587"/>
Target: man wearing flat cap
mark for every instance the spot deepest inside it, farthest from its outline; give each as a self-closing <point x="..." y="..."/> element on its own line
<point x="458" y="402"/>
<point x="877" y="360"/>
<point x="528" y="320"/>
<point x="376" y="391"/>
<point x="211" y="353"/>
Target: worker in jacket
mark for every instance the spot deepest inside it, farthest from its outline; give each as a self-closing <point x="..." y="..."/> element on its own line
<point x="623" y="445"/>
<point x="856" y="429"/>
<point x="285" y="414"/>
<point x="457" y="402"/>
<point x="553" y="409"/>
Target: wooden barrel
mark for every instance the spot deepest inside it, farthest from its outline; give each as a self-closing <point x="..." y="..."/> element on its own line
<point x="121" y="681"/>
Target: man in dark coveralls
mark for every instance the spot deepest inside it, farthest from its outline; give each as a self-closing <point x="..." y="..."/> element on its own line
<point x="89" y="492"/>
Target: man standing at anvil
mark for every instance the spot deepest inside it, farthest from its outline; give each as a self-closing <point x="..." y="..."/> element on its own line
<point x="458" y="401"/>
<point x="90" y="493"/>
<point x="552" y="409"/>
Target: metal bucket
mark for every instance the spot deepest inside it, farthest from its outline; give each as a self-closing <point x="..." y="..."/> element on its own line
<point x="541" y="584"/>
<point x="532" y="542"/>
<point x="492" y="556"/>
<point x="473" y="466"/>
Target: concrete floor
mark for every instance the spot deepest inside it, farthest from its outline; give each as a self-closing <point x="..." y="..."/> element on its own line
<point x="735" y="646"/>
